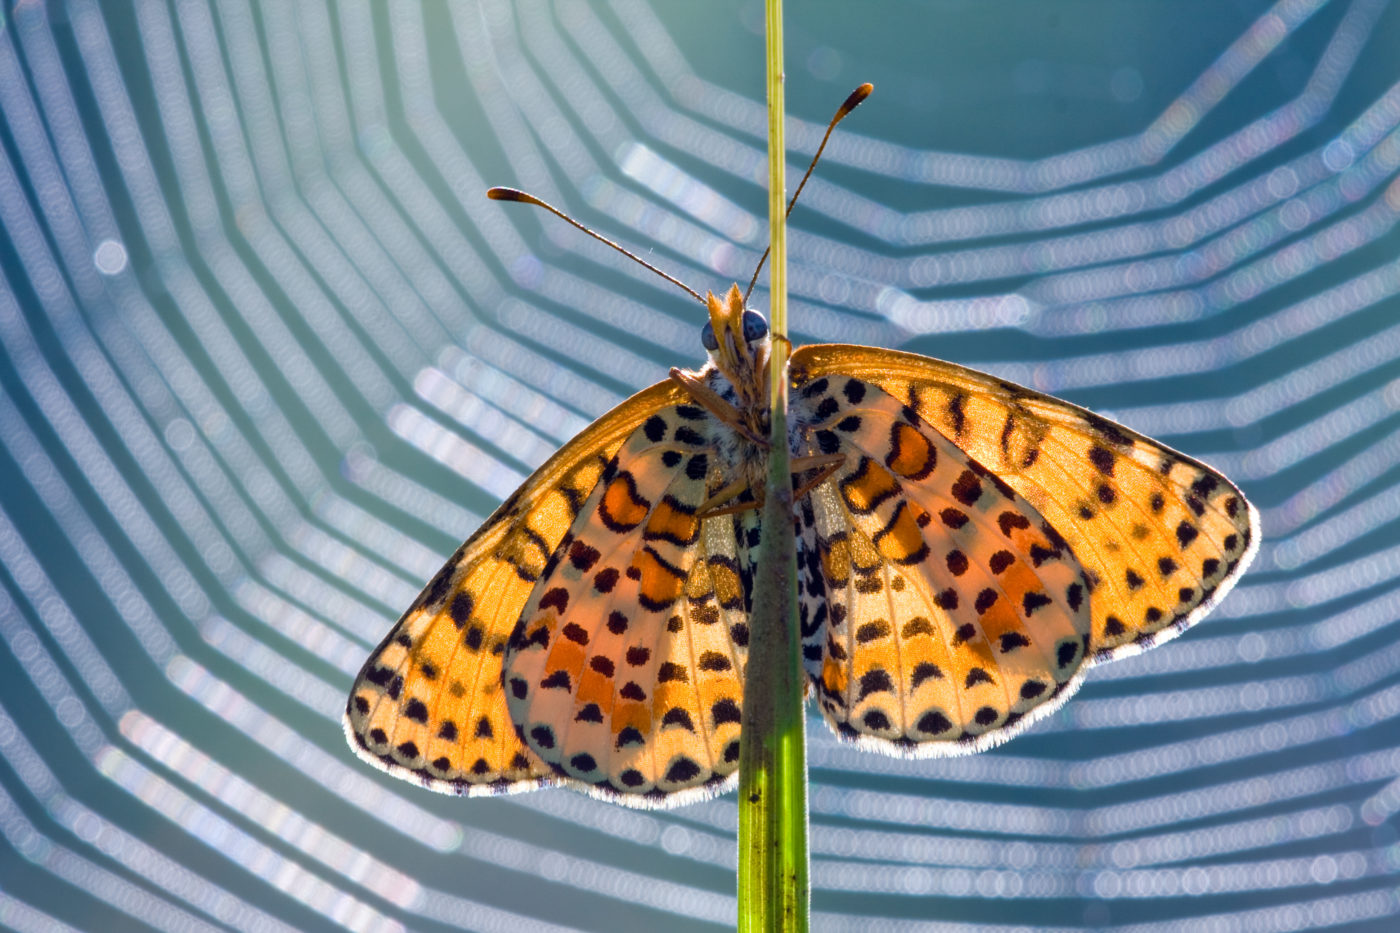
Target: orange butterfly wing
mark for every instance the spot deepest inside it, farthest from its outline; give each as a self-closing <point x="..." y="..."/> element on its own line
<point x="940" y="611"/>
<point x="428" y="704"/>
<point x="625" y="673"/>
<point x="980" y="543"/>
<point x="1162" y="537"/>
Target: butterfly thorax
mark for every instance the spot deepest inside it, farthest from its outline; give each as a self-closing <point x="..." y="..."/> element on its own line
<point x="737" y="341"/>
<point x="739" y="456"/>
<point x="733" y="385"/>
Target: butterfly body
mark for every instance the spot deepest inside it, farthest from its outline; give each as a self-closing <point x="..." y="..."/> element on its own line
<point x="966" y="549"/>
<point x="738" y="457"/>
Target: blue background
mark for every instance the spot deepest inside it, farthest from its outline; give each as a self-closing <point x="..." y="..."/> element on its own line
<point x="267" y="354"/>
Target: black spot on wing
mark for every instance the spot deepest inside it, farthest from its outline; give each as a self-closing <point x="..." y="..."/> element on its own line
<point x="875" y="720"/>
<point x="697" y="467"/>
<point x="977" y="676"/>
<point x="957" y="419"/>
<point x="967" y="489"/>
<point x="923" y="671"/>
<point x="689" y="437"/>
<point x="874" y="681"/>
<point x="677" y="716"/>
<point x="934" y="722"/>
<point x="725" y="710"/>
<point x="1102" y="458"/>
<point x="1107" y="429"/>
<point x="681" y="770"/>
<point x="1186" y="533"/>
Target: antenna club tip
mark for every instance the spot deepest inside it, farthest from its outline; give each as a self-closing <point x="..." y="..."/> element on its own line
<point x="857" y="97"/>
<point x="500" y="193"/>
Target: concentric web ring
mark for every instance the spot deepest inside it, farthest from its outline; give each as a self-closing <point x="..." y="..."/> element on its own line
<point x="267" y="354"/>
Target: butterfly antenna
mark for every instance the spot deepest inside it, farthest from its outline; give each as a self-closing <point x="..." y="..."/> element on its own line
<point x="851" y="103"/>
<point x="513" y="194"/>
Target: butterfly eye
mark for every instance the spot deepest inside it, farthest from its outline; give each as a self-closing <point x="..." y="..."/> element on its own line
<point x="707" y="337"/>
<point x="755" y="327"/>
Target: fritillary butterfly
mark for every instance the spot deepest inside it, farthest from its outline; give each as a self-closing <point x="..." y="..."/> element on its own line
<point x="967" y="548"/>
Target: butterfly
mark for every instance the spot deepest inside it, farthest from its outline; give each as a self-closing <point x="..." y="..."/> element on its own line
<point x="967" y="549"/>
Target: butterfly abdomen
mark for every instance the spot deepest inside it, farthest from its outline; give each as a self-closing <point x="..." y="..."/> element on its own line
<point x="737" y="457"/>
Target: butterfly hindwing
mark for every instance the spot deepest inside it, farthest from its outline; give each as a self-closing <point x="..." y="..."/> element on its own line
<point x="1162" y="537"/>
<point x="951" y="609"/>
<point x="428" y="703"/>
<point x="624" y="674"/>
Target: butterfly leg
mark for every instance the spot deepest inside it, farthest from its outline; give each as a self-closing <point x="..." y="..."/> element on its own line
<point x="825" y="464"/>
<point x="718" y="406"/>
<point x="712" y="507"/>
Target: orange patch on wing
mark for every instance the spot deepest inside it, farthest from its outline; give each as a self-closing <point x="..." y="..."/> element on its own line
<point x="1026" y="538"/>
<point x="636" y="715"/>
<point x="565" y="655"/>
<point x="551" y="516"/>
<point x="623" y="509"/>
<point x="976" y="653"/>
<point x="869" y="487"/>
<point x="902" y="542"/>
<point x="659" y="584"/>
<point x="1018" y="580"/>
<point x="597" y="688"/>
<point x="672" y="524"/>
<point x="672" y="694"/>
<point x="438" y="641"/>
<point x="833" y="676"/>
<point x="865" y="557"/>
<point x="912" y="456"/>
<point x="999" y="619"/>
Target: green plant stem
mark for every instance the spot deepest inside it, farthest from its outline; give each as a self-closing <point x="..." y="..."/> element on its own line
<point x="773" y="886"/>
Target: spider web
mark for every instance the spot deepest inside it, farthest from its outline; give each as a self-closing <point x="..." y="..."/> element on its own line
<point x="267" y="354"/>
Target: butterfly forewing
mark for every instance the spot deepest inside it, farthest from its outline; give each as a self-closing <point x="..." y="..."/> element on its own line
<point x="1161" y="537"/>
<point x="428" y="703"/>
<point x="624" y="674"/>
<point x="952" y="610"/>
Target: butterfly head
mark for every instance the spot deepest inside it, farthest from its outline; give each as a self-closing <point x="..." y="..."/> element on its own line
<point x="737" y="341"/>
